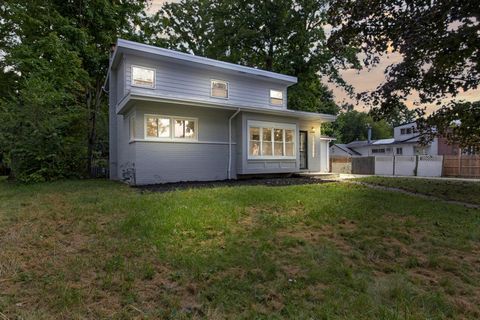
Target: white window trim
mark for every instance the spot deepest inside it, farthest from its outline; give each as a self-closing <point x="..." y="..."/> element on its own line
<point x="270" y="98"/>
<point x="139" y="85"/>
<point x="171" y="137"/>
<point x="211" y="89"/>
<point x="273" y="126"/>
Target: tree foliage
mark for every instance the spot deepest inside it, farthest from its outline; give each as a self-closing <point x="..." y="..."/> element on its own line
<point x="54" y="64"/>
<point x="438" y="41"/>
<point x="353" y="125"/>
<point x="459" y="122"/>
<point x="283" y="36"/>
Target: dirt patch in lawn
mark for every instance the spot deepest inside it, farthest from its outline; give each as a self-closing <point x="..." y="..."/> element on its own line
<point x="326" y="233"/>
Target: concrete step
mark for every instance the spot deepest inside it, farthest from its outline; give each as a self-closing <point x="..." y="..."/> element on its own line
<point x="320" y="175"/>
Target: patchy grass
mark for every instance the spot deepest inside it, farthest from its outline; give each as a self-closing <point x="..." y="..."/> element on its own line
<point x="98" y="249"/>
<point x="464" y="191"/>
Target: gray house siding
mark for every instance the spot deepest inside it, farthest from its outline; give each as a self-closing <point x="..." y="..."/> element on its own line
<point x="172" y="161"/>
<point x="113" y="127"/>
<point x="193" y="82"/>
<point x="121" y="85"/>
<point x="126" y="152"/>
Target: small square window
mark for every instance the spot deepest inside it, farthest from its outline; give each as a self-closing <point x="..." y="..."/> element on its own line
<point x="219" y="89"/>
<point x="399" y="151"/>
<point x="276" y="97"/>
<point x="143" y="77"/>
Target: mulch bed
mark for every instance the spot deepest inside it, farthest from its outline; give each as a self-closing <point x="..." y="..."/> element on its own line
<point x="271" y="182"/>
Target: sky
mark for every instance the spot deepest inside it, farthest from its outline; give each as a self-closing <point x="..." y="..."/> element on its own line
<point x="364" y="80"/>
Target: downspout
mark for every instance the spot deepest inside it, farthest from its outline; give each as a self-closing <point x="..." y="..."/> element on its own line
<point x="229" y="170"/>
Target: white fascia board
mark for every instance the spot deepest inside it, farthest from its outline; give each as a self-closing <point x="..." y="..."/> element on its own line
<point x="181" y="56"/>
<point x="124" y="105"/>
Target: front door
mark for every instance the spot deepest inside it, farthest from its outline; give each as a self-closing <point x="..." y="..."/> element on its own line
<point x="303" y="150"/>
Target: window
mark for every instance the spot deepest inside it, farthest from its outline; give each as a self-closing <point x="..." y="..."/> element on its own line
<point x="278" y="144"/>
<point x="185" y="129"/>
<point x="132" y="127"/>
<point x="269" y="140"/>
<point x="276" y="97"/>
<point x="219" y="89"/>
<point x="267" y="145"/>
<point x="399" y="151"/>
<point x="289" y="142"/>
<point x="378" y="150"/>
<point x="406" y="131"/>
<point x="143" y="77"/>
<point x="158" y="127"/>
<point x="254" y="149"/>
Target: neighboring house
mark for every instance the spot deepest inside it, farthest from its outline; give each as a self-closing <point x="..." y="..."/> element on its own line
<point x="405" y="141"/>
<point x="180" y="117"/>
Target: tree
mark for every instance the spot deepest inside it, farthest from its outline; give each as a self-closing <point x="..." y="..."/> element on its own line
<point x="284" y="36"/>
<point x="353" y="125"/>
<point x="55" y="62"/>
<point x="438" y="41"/>
<point x="459" y="122"/>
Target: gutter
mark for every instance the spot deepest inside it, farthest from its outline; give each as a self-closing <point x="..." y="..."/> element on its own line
<point x="229" y="170"/>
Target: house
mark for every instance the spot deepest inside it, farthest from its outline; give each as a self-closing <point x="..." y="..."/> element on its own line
<point x="180" y="117"/>
<point x="405" y="141"/>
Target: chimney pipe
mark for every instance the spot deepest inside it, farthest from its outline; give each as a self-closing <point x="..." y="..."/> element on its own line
<point x="369" y="134"/>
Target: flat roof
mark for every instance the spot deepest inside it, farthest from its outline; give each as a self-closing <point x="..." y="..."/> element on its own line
<point x="123" y="44"/>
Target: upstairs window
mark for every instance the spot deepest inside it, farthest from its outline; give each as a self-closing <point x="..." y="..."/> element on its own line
<point x="219" y="89"/>
<point x="143" y="77"/>
<point x="399" y="151"/>
<point x="276" y="97"/>
<point x="378" y="150"/>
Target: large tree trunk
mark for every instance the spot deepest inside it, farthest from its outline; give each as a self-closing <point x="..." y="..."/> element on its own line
<point x="269" y="58"/>
<point x="94" y="97"/>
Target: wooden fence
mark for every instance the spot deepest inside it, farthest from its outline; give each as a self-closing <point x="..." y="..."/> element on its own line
<point x="363" y="165"/>
<point x="339" y="164"/>
<point x="465" y="166"/>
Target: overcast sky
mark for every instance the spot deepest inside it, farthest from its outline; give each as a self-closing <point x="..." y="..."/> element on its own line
<point x="364" y="80"/>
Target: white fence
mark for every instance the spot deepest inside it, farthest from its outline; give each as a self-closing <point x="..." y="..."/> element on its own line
<point x="384" y="166"/>
<point x="423" y="166"/>
<point x="430" y="166"/>
<point x="405" y="165"/>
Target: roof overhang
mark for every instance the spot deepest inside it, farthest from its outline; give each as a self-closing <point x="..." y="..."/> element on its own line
<point x="129" y="100"/>
<point x="149" y="51"/>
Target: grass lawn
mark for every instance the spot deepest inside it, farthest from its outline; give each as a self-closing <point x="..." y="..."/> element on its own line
<point x="464" y="191"/>
<point x="98" y="249"/>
